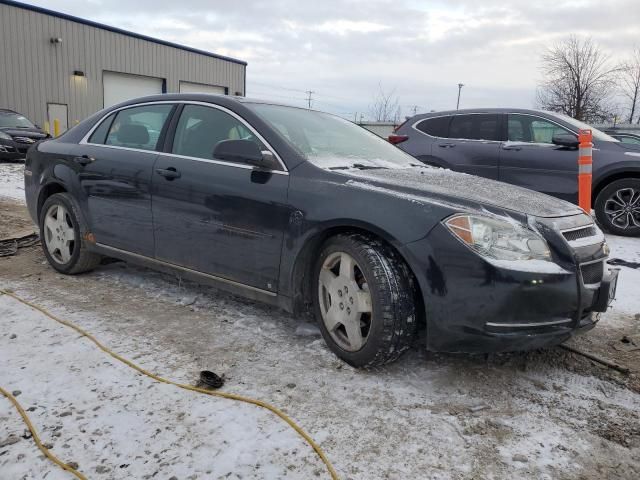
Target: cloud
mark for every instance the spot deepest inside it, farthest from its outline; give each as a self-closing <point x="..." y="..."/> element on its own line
<point x="343" y="50"/>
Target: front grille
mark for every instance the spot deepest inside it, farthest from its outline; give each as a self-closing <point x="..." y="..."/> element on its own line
<point x="573" y="235"/>
<point x="592" y="273"/>
<point x="24" y="140"/>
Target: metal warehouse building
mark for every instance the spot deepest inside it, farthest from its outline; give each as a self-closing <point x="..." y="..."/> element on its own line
<point x="59" y="67"/>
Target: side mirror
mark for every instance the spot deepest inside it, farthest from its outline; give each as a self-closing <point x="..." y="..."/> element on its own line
<point x="565" y="140"/>
<point x="245" y="151"/>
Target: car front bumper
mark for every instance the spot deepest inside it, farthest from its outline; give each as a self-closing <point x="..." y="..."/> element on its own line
<point x="10" y="151"/>
<point x="475" y="307"/>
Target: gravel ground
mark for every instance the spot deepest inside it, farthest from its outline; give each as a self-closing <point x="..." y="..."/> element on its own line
<point x="544" y="414"/>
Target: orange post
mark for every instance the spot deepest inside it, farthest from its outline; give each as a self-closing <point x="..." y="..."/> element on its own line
<point x="585" y="165"/>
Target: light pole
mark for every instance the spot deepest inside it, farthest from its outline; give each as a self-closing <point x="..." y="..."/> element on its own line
<point x="460" y="85"/>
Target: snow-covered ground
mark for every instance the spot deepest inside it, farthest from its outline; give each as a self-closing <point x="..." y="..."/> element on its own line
<point x="12" y="181"/>
<point x="627" y="304"/>
<point x="111" y="421"/>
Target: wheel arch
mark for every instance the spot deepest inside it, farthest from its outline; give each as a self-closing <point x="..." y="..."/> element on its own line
<point x="301" y="273"/>
<point x="46" y="191"/>
<point x="612" y="177"/>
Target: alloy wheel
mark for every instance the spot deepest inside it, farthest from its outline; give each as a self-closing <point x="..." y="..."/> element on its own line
<point x="623" y="208"/>
<point x="59" y="235"/>
<point x="345" y="301"/>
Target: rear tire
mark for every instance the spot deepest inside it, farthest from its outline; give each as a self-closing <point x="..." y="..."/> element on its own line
<point x="364" y="300"/>
<point x="617" y="207"/>
<point x="60" y="235"/>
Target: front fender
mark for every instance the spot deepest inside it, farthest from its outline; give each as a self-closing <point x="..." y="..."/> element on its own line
<point x="606" y="173"/>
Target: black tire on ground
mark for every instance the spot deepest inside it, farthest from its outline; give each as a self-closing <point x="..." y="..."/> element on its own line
<point x="393" y="322"/>
<point x="81" y="260"/>
<point x="625" y="185"/>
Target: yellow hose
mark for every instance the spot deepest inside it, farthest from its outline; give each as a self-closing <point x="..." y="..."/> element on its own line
<point x="230" y="396"/>
<point x="47" y="453"/>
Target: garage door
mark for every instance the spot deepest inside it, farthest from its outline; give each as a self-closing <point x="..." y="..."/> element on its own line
<point x="189" y="87"/>
<point x="119" y="87"/>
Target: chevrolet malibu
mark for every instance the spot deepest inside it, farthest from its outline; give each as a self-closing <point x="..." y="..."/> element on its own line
<point x="311" y="213"/>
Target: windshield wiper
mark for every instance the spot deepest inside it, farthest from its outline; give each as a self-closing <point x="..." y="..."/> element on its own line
<point x="359" y="166"/>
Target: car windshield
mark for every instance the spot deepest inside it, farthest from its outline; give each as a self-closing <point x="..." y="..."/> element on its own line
<point x="332" y="142"/>
<point x="14" y="120"/>
<point x="597" y="134"/>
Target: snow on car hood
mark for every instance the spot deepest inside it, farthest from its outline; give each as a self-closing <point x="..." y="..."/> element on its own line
<point x="448" y="186"/>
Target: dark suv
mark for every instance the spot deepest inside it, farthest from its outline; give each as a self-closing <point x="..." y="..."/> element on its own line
<point x="533" y="149"/>
<point x="17" y="134"/>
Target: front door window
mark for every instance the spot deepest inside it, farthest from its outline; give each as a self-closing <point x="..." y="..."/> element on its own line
<point x="525" y="128"/>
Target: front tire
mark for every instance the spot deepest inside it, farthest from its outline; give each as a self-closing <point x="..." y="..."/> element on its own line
<point x="364" y="300"/>
<point x="617" y="207"/>
<point x="62" y="242"/>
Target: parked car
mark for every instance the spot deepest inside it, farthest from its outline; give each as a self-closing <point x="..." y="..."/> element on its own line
<point x="532" y="149"/>
<point x="309" y="212"/>
<point x="17" y="134"/>
<point x="624" y="137"/>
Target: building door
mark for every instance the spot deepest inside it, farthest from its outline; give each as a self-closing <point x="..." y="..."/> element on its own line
<point x="190" y="87"/>
<point x="119" y="87"/>
<point x="57" y="112"/>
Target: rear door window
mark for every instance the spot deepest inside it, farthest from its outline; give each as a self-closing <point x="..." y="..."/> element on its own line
<point x="436" y="127"/>
<point x="99" y="135"/>
<point x="475" y="127"/>
<point x="138" y="127"/>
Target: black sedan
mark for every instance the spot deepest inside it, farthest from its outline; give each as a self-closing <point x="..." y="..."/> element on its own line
<point x="17" y="134"/>
<point x="310" y="212"/>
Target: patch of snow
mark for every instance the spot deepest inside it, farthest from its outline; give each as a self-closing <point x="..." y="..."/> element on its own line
<point x="12" y="181"/>
<point x="628" y="290"/>
<point x="307" y="330"/>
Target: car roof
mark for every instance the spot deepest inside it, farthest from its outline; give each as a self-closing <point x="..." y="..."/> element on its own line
<point x="201" y="97"/>
<point x="218" y="99"/>
<point x="463" y="111"/>
<point x="6" y="110"/>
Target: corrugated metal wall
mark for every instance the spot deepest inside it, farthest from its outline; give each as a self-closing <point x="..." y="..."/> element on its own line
<point x="34" y="72"/>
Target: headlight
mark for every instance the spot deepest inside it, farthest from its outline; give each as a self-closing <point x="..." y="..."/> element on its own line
<point x="5" y="136"/>
<point x="498" y="239"/>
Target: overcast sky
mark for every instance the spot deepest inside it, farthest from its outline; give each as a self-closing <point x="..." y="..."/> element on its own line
<point x="344" y="50"/>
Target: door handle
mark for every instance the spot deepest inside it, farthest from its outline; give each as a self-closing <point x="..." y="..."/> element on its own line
<point x="514" y="148"/>
<point x="84" y="160"/>
<point x="168" y="173"/>
<point x="446" y="145"/>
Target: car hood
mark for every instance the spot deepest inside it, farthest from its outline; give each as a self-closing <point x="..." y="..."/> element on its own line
<point x="34" y="133"/>
<point x="444" y="185"/>
<point x="629" y="147"/>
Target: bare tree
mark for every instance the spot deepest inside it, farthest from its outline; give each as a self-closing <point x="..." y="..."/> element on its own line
<point x="385" y="106"/>
<point x="578" y="80"/>
<point x="630" y="84"/>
